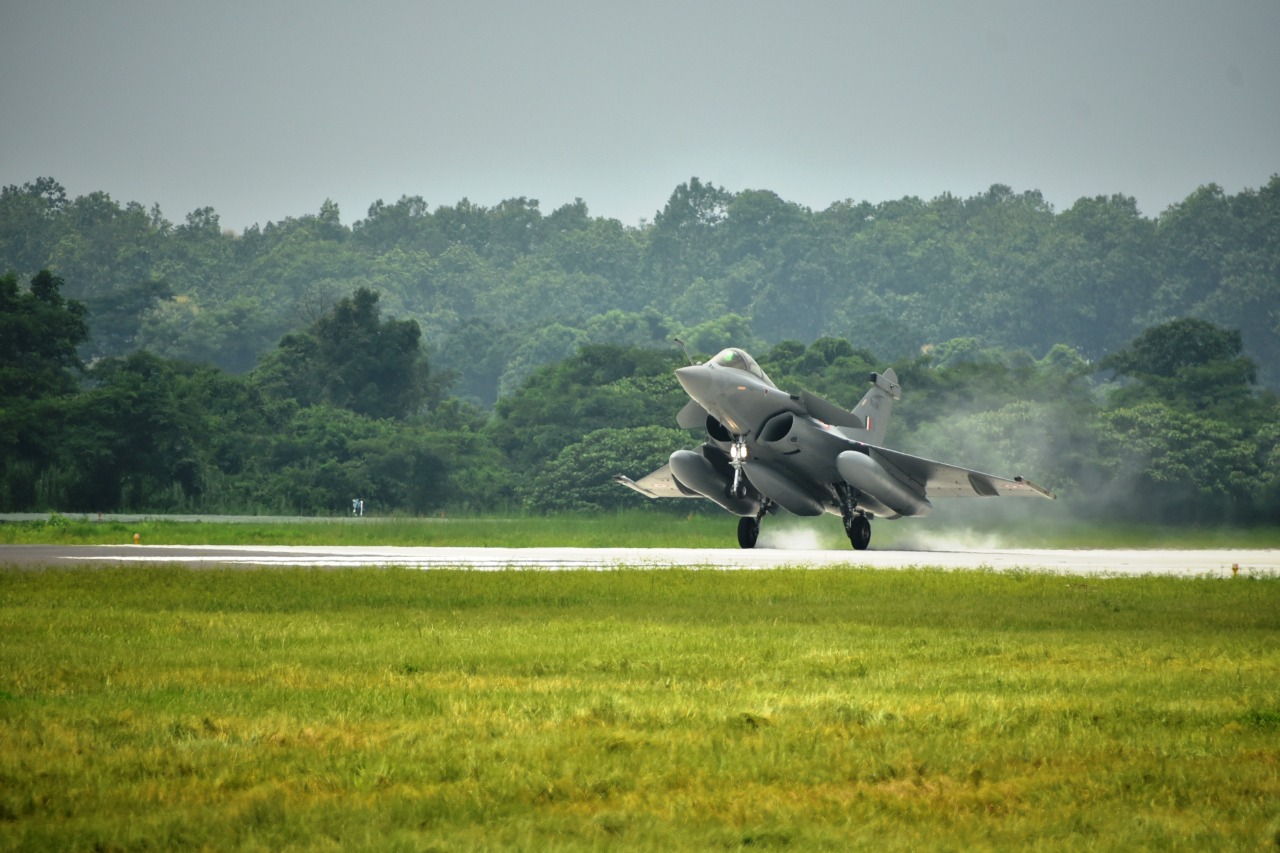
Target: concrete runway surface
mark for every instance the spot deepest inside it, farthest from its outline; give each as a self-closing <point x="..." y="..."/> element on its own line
<point x="1216" y="563"/>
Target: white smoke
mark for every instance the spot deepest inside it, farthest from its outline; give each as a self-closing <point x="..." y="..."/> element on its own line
<point x="791" y="535"/>
<point x="950" y="539"/>
<point x="827" y="534"/>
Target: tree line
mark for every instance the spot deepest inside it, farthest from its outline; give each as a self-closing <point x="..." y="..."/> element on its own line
<point x="499" y="291"/>
<point x="1171" y="427"/>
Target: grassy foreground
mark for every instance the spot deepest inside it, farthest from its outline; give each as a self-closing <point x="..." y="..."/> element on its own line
<point x="670" y="709"/>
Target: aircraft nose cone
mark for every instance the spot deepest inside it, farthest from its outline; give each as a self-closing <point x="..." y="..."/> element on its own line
<point x="696" y="380"/>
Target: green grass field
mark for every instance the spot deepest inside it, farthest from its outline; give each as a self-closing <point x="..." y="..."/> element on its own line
<point x="1022" y="527"/>
<point x="798" y="709"/>
<point x="639" y="529"/>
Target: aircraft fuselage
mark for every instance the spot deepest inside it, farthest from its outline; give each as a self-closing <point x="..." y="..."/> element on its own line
<point x="787" y="455"/>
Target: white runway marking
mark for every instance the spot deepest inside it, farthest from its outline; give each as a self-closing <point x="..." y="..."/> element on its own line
<point x="1217" y="563"/>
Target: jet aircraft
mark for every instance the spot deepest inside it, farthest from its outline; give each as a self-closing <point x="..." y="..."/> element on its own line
<point x="766" y="448"/>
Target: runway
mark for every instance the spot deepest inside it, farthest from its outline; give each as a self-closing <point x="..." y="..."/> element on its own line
<point x="1215" y="563"/>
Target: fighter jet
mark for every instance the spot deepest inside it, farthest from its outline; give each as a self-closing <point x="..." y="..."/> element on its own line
<point x="767" y="449"/>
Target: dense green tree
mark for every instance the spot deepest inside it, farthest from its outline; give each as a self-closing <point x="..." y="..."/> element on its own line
<point x="1167" y="465"/>
<point x="580" y="477"/>
<point x="731" y="330"/>
<point x="474" y="355"/>
<point x="116" y="317"/>
<point x="646" y="328"/>
<point x="1195" y="235"/>
<point x="198" y="258"/>
<point x="599" y="387"/>
<point x="376" y="368"/>
<point x="459" y="281"/>
<point x="353" y="360"/>
<point x="463" y="224"/>
<point x="1001" y="237"/>
<point x="539" y="346"/>
<point x="1100" y="275"/>
<point x="1189" y="432"/>
<point x="1222" y="256"/>
<point x="1191" y="364"/>
<point x="40" y="332"/>
<point x="31" y="218"/>
<point x="232" y="335"/>
<point x="104" y="245"/>
<point x="1166" y="349"/>
<point x="402" y="225"/>
<point x="1267" y="484"/>
<point x="758" y="223"/>
<point x="515" y="229"/>
<point x="131" y="441"/>
<point x="682" y="244"/>
<point x="569" y="217"/>
<point x="703" y="301"/>
<point x="325" y="457"/>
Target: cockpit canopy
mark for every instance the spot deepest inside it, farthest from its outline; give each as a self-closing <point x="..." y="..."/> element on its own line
<point x="739" y="360"/>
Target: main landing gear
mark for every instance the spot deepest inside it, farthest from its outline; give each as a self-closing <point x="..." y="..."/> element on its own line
<point x="856" y="524"/>
<point x="749" y="526"/>
<point x="859" y="530"/>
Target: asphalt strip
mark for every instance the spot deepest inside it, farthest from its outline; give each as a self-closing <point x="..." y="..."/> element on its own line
<point x="1188" y="563"/>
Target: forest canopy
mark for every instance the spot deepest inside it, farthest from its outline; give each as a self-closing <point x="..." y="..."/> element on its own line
<point x="470" y="357"/>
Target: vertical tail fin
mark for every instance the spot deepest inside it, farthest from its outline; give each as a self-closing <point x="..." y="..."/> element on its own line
<point x="877" y="405"/>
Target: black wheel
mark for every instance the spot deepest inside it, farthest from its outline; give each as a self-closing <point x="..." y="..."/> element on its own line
<point x="748" y="531"/>
<point x="860" y="532"/>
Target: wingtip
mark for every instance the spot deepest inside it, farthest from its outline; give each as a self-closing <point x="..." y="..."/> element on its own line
<point x="1038" y="489"/>
<point x="624" y="480"/>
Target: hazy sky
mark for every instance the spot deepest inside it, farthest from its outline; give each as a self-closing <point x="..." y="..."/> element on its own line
<point x="264" y="109"/>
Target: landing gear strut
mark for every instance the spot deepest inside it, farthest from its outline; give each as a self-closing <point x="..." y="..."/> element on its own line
<point x="856" y="524"/>
<point x="737" y="456"/>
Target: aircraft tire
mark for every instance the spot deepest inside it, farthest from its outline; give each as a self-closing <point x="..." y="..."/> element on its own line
<point x="748" y="531"/>
<point x="860" y="532"/>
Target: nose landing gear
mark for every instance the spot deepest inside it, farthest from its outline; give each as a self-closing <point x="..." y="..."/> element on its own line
<point x="737" y="456"/>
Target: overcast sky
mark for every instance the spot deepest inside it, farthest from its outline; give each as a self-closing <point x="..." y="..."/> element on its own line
<point x="263" y="110"/>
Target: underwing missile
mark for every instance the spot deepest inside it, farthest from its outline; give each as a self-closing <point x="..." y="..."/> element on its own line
<point x="783" y="490"/>
<point x="866" y="475"/>
<point x="694" y="471"/>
